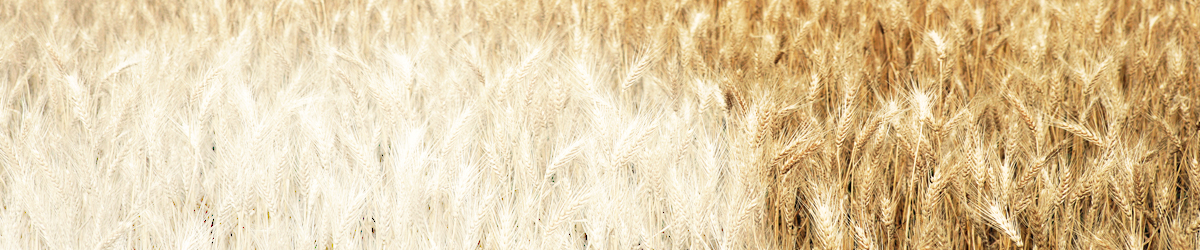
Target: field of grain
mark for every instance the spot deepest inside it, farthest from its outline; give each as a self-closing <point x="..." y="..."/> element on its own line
<point x="568" y="124"/>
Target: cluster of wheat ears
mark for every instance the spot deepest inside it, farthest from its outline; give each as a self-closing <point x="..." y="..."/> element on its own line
<point x="560" y="124"/>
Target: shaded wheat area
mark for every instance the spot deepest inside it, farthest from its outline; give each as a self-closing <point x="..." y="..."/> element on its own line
<point x="599" y="125"/>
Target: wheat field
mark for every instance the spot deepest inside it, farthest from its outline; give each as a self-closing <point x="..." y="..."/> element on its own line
<point x="568" y="124"/>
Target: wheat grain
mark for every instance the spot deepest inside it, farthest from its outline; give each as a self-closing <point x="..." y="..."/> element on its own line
<point x="563" y="159"/>
<point x="640" y="65"/>
<point x="1081" y="131"/>
<point x="811" y="147"/>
